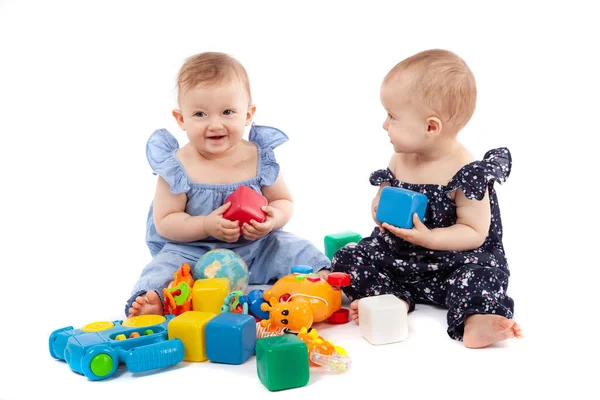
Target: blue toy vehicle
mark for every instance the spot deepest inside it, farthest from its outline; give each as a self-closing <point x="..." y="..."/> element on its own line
<point x="97" y="349"/>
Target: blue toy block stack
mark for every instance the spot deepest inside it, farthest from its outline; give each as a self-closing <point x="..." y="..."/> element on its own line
<point x="230" y="338"/>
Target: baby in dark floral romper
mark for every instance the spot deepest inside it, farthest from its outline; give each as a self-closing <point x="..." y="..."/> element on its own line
<point x="454" y="257"/>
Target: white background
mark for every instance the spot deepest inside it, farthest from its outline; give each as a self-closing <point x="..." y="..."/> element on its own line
<point x="83" y="84"/>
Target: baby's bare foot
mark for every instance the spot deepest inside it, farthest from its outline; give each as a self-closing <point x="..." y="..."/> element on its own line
<point x="482" y="330"/>
<point x="148" y="304"/>
<point x="354" y="311"/>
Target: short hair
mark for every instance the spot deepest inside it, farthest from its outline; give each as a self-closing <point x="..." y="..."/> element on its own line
<point x="211" y="67"/>
<point x="442" y="81"/>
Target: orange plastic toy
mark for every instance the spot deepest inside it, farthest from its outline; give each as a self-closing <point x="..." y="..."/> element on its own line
<point x="288" y="315"/>
<point x="323" y="295"/>
<point x="178" y="295"/>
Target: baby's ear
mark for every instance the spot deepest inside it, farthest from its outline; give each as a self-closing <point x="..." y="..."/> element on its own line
<point x="178" y="117"/>
<point x="434" y="126"/>
<point x="250" y="114"/>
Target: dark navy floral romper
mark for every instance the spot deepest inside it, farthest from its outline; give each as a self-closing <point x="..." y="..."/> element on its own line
<point x="465" y="282"/>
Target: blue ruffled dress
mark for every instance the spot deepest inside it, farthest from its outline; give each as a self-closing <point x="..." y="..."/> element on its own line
<point x="268" y="258"/>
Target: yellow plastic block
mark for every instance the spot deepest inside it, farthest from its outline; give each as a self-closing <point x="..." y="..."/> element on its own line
<point x="189" y="327"/>
<point x="208" y="294"/>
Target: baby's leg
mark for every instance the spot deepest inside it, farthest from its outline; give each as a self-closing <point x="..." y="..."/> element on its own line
<point x="278" y="253"/>
<point x="147" y="296"/>
<point x="367" y="265"/>
<point x="484" y="316"/>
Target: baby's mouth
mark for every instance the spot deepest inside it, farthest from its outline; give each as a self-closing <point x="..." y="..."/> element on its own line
<point x="216" y="138"/>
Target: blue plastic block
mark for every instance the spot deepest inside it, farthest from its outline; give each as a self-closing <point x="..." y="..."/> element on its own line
<point x="230" y="338"/>
<point x="397" y="206"/>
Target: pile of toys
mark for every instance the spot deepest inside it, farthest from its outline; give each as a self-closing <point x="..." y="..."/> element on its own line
<point x="208" y="316"/>
<point x="204" y="320"/>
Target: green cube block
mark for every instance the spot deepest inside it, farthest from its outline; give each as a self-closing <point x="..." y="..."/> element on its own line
<point x="282" y="362"/>
<point x="336" y="241"/>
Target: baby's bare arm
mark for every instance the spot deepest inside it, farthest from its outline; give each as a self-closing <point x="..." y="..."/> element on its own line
<point x="170" y="218"/>
<point x="280" y="199"/>
<point x="471" y="228"/>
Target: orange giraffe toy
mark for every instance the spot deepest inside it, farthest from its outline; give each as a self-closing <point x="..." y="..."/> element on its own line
<point x="290" y="316"/>
<point x="323" y="295"/>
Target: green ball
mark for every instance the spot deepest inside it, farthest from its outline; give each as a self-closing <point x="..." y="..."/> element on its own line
<point x="223" y="263"/>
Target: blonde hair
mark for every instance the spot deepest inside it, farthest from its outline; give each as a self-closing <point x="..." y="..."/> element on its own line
<point x="442" y="81"/>
<point x="211" y="67"/>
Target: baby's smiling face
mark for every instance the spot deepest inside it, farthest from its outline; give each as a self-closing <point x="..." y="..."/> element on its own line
<point x="214" y="116"/>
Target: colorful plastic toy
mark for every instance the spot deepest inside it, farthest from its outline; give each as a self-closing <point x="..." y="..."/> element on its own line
<point x="230" y="338"/>
<point x="323" y="353"/>
<point x="223" y="263"/>
<point x="336" y="241"/>
<point x="397" y="205"/>
<point x="255" y="301"/>
<point x="95" y="351"/>
<point x="246" y="205"/>
<point x="235" y="302"/>
<point x="190" y="327"/>
<point x="281" y="362"/>
<point x="290" y="315"/>
<point x="178" y="295"/>
<point x="383" y="319"/>
<point x="324" y="296"/>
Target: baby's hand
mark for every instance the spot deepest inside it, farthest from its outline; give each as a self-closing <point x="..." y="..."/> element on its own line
<point x="256" y="230"/>
<point x="220" y="228"/>
<point x="419" y="234"/>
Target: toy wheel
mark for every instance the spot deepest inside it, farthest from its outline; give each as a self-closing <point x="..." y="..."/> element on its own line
<point x="338" y="279"/>
<point x="100" y="362"/>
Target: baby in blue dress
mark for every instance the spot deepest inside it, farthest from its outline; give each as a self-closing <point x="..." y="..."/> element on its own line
<point x="186" y="217"/>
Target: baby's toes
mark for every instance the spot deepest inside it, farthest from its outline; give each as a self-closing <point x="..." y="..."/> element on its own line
<point x="139" y="301"/>
<point x="517" y="330"/>
<point x="152" y="297"/>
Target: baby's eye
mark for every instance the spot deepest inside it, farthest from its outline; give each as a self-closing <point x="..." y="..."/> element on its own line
<point x="228" y="112"/>
<point x="390" y="116"/>
<point x="199" y="114"/>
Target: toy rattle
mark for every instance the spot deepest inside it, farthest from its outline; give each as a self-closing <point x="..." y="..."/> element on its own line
<point x="178" y="295"/>
<point x="324" y="353"/>
<point x="235" y="302"/>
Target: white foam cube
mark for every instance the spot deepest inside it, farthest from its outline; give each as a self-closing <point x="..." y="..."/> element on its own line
<point x="383" y="319"/>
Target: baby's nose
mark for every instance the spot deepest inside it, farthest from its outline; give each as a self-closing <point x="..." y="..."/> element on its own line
<point x="215" y="124"/>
